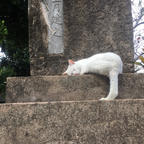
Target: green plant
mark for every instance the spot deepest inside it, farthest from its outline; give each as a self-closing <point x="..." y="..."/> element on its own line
<point x="3" y="31"/>
<point x="4" y="73"/>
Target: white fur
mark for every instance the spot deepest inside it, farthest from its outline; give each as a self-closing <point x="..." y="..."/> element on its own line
<point x="108" y="64"/>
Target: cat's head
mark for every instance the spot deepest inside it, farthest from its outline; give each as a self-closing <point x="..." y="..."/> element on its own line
<point x="72" y="69"/>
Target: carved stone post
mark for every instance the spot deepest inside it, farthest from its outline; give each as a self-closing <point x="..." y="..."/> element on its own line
<point x="63" y="29"/>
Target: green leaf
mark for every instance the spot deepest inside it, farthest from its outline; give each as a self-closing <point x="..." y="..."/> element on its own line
<point x="138" y="63"/>
<point x="2" y="22"/>
<point x="142" y="59"/>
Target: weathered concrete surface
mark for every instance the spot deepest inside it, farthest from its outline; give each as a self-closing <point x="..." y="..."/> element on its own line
<point x="67" y="88"/>
<point x="86" y="122"/>
<point x="90" y="27"/>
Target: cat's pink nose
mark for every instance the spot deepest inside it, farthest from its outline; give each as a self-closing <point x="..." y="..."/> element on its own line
<point x="64" y="73"/>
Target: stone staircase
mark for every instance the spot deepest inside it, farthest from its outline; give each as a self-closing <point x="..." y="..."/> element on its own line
<point x="44" y="109"/>
<point x="72" y="113"/>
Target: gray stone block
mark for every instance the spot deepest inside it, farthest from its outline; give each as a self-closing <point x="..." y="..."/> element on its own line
<point x="71" y="88"/>
<point x="85" y="122"/>
<point x="90" y="27"/>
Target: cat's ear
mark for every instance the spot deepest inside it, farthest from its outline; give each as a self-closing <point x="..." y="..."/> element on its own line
<point x="71" y="62"/>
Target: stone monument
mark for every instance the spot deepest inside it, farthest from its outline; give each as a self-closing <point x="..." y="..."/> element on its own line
<point x="46" y="109"/>
<point x="63" y="29"/>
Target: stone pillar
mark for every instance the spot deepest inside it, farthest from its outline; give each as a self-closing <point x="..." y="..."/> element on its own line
<point x="78" y="29"/>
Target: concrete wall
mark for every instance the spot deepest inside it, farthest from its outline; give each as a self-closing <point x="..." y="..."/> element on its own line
<point x="85" y="122"/>
<point x="90" y="27"/>
<point x="74" y="88"/>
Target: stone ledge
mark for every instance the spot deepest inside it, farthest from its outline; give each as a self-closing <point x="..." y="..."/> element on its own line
<point x="85" y="122"/>
<point x="70" y="88"/>
<point x="65" y="88"/>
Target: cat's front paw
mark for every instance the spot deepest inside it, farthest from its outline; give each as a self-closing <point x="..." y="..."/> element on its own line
<point x="102" y="99"/>
<point x="105" y="99"/>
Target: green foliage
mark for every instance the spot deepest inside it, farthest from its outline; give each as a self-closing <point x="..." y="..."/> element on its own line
<point x="4" y="73"/>
<point x="138" y="63"/>
<point x="3" y="31"/>
<point x="14" y="40"/>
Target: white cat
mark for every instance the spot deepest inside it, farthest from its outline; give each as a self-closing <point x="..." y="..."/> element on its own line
<point x="108" y="64"/>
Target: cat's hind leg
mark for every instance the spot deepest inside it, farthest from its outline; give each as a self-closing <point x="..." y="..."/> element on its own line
<point x="113" y="92"/>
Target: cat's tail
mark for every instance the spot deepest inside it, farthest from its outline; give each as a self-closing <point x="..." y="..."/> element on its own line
<point x="121" y="67"/>
<point x="120" y="63"/>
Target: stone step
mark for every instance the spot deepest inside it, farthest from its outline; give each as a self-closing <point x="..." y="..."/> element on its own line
<point x="69" y="122"/>
<point x="71" y="88"/>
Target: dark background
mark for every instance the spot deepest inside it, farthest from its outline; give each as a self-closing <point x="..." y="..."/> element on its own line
<point x="13" y="41"/>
